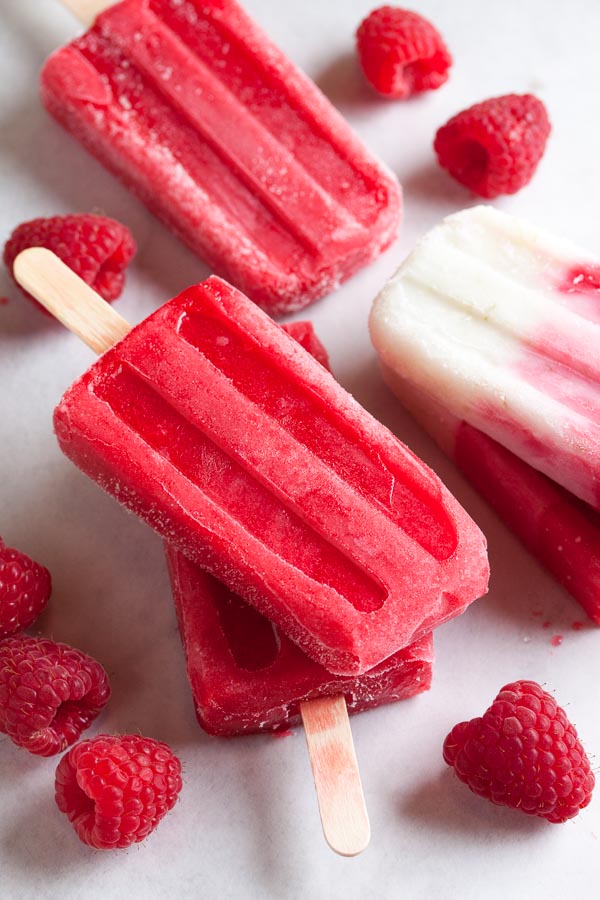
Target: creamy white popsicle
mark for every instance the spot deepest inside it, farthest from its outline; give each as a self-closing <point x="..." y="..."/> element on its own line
<point x="500" y="321"/>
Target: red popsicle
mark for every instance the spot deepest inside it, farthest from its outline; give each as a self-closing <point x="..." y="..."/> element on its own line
<point x="226" y="141"/>
<point x="246" y="676"/>
<point x="327" y="729"/>
<point x="213" y="425"/>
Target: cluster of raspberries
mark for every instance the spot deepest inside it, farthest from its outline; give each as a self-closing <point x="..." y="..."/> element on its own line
<point x="114" y="789"/>
<point x="493" y="147"/>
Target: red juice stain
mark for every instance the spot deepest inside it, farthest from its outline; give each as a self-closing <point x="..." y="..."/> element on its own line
<point x="283" y="734"/>
<point x="4" y="301"/>
<point x="536" y="613"/>
<point x="556" y="640"/>
<point x="582" y="285"/>
<point x="577" y="626"/>
<point x="546" y="624"/>
<point x="581" y="278"/>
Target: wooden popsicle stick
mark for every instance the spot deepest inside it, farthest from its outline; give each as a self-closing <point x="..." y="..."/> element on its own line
<point x="87" y="10"/>
<point x="328" y="735"/>
<point x="335" y="771"/>
<point x="69" y="299"/>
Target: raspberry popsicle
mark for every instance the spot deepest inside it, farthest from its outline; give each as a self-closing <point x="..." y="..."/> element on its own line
<point x="501" y="321"/>
<point x="226" y="141"/>
<point x="559" y="529"/>
<point x="247" y="677"/>
<point x="227" y="437"/>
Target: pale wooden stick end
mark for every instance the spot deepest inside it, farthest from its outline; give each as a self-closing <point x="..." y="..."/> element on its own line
<point x="69" y="299"/>
<point x="87" y="10"/>
<point x="335" y="771"/>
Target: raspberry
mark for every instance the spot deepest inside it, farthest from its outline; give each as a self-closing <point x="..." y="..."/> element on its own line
<point x="523" y="753"/>
<point x="304" y="333"/>
<point x="115" y="790"/>
<point x="98" y="249"/>
<point x="494" y="147"/>
<point x="49" y="693"/>
<point x="25" y="588"/>
<point x="401" y="53"/>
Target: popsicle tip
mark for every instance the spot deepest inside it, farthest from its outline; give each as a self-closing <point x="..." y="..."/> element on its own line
<point x="29" y="265"/>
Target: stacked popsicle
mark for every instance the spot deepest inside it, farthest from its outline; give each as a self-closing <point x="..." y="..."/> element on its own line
<point x="222" y="432"/>
<point x="487" y="333"/>
<point x="248" y="677"/>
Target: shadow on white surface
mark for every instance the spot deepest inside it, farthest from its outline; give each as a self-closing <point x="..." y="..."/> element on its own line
<point x="431" y="186"/>
<point x="18" y="316"/>
<point x="35" y="834"/>
<point x="443" y="803"/>
<point x="343" y="83"/>
<point x="21" y="22"/>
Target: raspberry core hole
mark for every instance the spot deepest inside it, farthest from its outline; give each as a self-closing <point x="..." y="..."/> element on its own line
<point x="472" y="160"/>
<point x="70" y="712"/>
<point x="421" y="72"/>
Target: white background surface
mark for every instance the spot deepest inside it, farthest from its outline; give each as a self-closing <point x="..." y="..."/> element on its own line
<point x="247" y="825"/>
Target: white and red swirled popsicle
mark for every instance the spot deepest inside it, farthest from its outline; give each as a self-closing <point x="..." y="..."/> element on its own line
<point x="559" y="529"/>
<point x="229" y="143"/>
<point x="500" y="322"/>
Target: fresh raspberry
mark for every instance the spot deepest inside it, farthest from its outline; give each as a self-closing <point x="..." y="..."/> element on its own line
<point x="523" y="753"/>
<point x="305" y="334"/>
<point x="25" y="587"/>
<point x="49" y="693"/>
<point x="494" y="147"/>
<point x="401" y="53"/>
<point x="115" y="790"/>
<point x="98" y="249"/>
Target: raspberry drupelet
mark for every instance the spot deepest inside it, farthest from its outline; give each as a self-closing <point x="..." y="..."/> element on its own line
<point x="116" y="789"/>
<point x="523" y="753"/>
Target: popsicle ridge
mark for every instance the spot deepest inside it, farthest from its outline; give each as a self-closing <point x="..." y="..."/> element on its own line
<point x="233" y="131"/>
<point x="321" y="431"/>
<point x="557" y="361"/>
<point x="252" y="640"/>
<point x="241" y="497"/>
